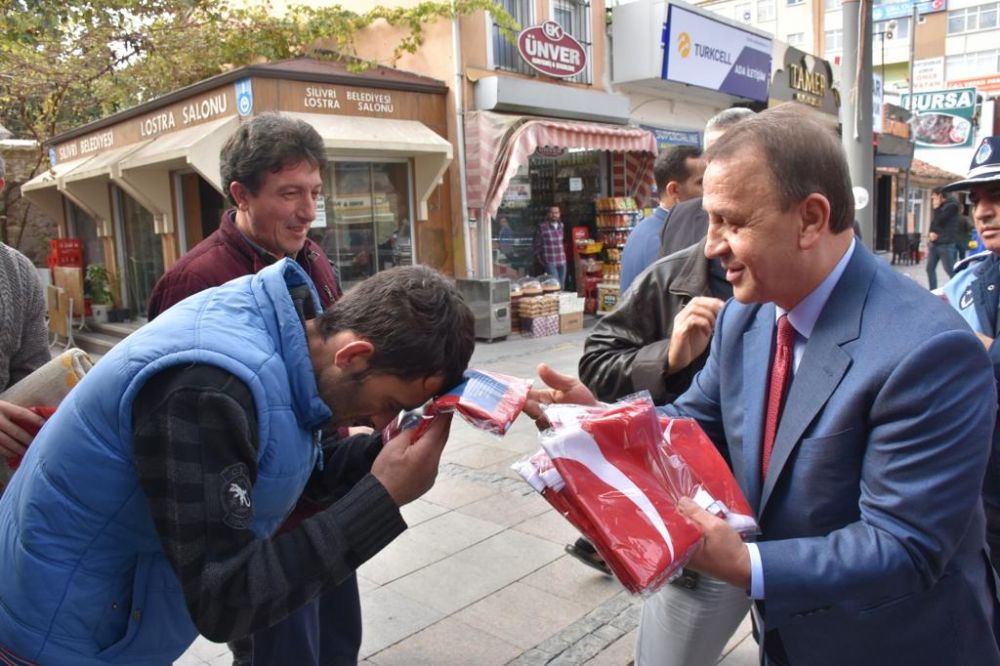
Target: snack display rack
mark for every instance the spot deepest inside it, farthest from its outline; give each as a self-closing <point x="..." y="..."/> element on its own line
<point x="616" y="217"/>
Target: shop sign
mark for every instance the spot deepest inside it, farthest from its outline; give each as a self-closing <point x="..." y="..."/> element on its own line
<point x="550" y="152"/>
<point x="703" y="51"/>
<point x="928" y="73"/>
<point x="943" y="118"/>
<point x="196" y="111"/>
<point x="986" y="84"/>
<point x="802" y="78"/>
<point x="320" y="220"/>
<point x="244" y="97"/>
<point x="666" y="137"/>
<point x="891" y="10"/>
<point x="551" y="50"/>
<point x="86" y="145"/>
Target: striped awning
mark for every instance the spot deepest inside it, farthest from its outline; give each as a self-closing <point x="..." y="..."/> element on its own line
<point x="497" y="145"/>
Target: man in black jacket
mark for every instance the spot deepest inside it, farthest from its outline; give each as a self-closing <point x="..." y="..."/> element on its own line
<point x="946" y="223"/>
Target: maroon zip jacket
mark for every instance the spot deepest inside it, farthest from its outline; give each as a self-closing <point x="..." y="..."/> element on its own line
<point x="226" y="255"/>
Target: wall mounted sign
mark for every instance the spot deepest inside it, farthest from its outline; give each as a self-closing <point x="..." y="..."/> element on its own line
<point x="891" y="10"/>
<point x="551" y="50"/>
<point x="943" y="118"/>
<point x="798" y="76"/>
<point x="703" y="51"/>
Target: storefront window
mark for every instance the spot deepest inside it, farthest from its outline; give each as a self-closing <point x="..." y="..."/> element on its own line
<point x="366" y="226"/>
<point x="569" y="179"/>
<point x="143" y="253"/>
<point x="83" y="226"/>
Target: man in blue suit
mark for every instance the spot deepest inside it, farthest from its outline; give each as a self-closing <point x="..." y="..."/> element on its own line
<point x="872" y="548"/>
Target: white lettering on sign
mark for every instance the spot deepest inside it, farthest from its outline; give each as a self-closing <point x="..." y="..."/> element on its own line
<point x="553" y="55"/>
<point x="67" y="151"/>
<point x="942" y="100"/>
<point x="97" y="142"/>
<point x="205" y="109"/>
<point x="321" y="98"/>
<point x="155" y="124"/>
<point x="370" y="101"/>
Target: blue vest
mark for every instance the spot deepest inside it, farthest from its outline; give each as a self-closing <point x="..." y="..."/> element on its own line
<point x="85" y="580"/>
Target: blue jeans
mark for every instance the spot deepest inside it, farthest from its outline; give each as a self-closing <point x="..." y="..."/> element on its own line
<point x="557" y="271"/>
<point x="946" y="253"/>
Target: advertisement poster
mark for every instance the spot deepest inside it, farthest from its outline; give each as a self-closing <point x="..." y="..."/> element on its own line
<point x="705" y="52"/>
<point x="943" y="118"/>
<point x="666" y="137"/>
<point x="928" y="73"/>
<point x="891" y="10"/>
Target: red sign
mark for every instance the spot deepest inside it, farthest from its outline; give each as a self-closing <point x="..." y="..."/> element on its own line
<point x="982" y="83"/>
<point x="550" y="50"/>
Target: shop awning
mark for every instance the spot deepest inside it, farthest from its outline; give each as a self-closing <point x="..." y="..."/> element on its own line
<point x="431" y="153"/>
<point x="501" y="144"/>
<point x="145" y="173"/>
<point x="87" y="185"/>
<point x="43" y="189"/>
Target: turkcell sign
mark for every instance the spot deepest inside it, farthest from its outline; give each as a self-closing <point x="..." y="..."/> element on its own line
<point x="706" y="52"/>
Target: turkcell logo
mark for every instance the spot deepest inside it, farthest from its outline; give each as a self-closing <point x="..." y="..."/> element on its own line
<point x="244" y="97"/>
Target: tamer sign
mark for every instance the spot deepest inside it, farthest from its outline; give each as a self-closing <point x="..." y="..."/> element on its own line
<point x="551" y="51"/>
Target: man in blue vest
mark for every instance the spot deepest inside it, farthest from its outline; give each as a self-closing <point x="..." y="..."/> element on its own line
<point x="973" y="292"/>
<point x="145" y="511"/>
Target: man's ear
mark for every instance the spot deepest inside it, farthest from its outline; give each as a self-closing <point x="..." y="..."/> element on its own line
<point x="814" y="215"/>
<point x="354" y="355"/>
<point x="240" y="194"/>
<point x="672" y="188"/>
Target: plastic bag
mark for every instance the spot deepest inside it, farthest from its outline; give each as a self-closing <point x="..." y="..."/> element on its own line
<point x="488" y="401"/>
<point x="617" y="472"/>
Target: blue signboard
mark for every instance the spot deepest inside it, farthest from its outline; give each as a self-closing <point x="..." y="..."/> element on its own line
<point x="244" y="97"/>
<point x="703" y="51"/>
<point x="891" y="10"/>
<point x="666" y="137"/>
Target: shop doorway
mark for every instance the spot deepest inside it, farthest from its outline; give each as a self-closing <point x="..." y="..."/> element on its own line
<point x="141" y="253"/>
<point x="202" y="207"/>
<point x="883" y="213"/>
<point x="84" y="227"/>
<point x="365" y="224"/>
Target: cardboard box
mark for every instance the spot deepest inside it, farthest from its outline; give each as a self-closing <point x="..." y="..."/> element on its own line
<point x="571" y="322"/>
<point x="539" y="327"/>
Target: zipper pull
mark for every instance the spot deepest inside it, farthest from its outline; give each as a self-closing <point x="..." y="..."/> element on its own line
<point x="317" y="436"/>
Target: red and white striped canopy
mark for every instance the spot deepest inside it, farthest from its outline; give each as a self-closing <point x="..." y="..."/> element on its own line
<point x="497" y="145"/>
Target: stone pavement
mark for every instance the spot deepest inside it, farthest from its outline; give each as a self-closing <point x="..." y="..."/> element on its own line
<point x="480" y="577"/>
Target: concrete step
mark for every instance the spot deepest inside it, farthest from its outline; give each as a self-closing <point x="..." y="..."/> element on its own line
<point x="95" y="343"/>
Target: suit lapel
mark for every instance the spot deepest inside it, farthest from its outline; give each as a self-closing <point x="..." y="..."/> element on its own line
<point x="824" y="363"/>
<point x="756" y="362"/>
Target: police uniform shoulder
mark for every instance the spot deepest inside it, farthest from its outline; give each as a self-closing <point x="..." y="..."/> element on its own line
<point x="971" y="260"/>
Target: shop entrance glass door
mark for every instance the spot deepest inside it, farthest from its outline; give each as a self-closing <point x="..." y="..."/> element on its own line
<point x="142" y="260"/>
<point x="367" y="224"/>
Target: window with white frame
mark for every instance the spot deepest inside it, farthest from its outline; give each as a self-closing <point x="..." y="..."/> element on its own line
<point x="744" y="12"/>
<point x="794" y="2"/>
<point x="796" y="39"/>
<point x="505" y="55"/>
<point x="832" y="5"/>
<point x="968" y="65"/>
<point x="972" y="19"/>
<point x="833" y="41"/>
<point x="574" y="17"/>
<point x="765" y="10"/>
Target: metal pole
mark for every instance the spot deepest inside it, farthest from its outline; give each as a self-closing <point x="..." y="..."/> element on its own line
<point x="909" y="105"/>
<point x="856" y="78"/>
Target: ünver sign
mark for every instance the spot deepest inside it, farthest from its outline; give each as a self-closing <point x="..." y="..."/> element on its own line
<point x="551" y="50"/>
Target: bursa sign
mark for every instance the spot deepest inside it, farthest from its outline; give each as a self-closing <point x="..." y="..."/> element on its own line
<point x="551" y="50"/>
<point x="702" y="51"/>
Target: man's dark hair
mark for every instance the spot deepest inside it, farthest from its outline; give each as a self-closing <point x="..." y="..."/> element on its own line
<point x="268" y="143"/>
<point x="671" y="164"/>
<point x="940" y="191"/>
<point x="803" y="157"/>
<point x="417" y="321"/>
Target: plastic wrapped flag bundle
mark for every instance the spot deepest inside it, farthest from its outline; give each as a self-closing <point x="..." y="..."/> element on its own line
<point x="489" y="401"/>
<point x="617" y="476"/>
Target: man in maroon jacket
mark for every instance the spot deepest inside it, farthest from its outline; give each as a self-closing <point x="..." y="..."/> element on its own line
<point x="273" y="171"/>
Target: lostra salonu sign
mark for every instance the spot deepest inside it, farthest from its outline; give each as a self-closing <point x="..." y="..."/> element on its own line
<point x="551" y="50"/>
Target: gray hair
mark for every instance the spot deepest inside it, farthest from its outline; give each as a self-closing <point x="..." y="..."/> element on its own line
<point x="268" y="143"/>
<point x="726" y="119"/>
<point x="802" y="156"/>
